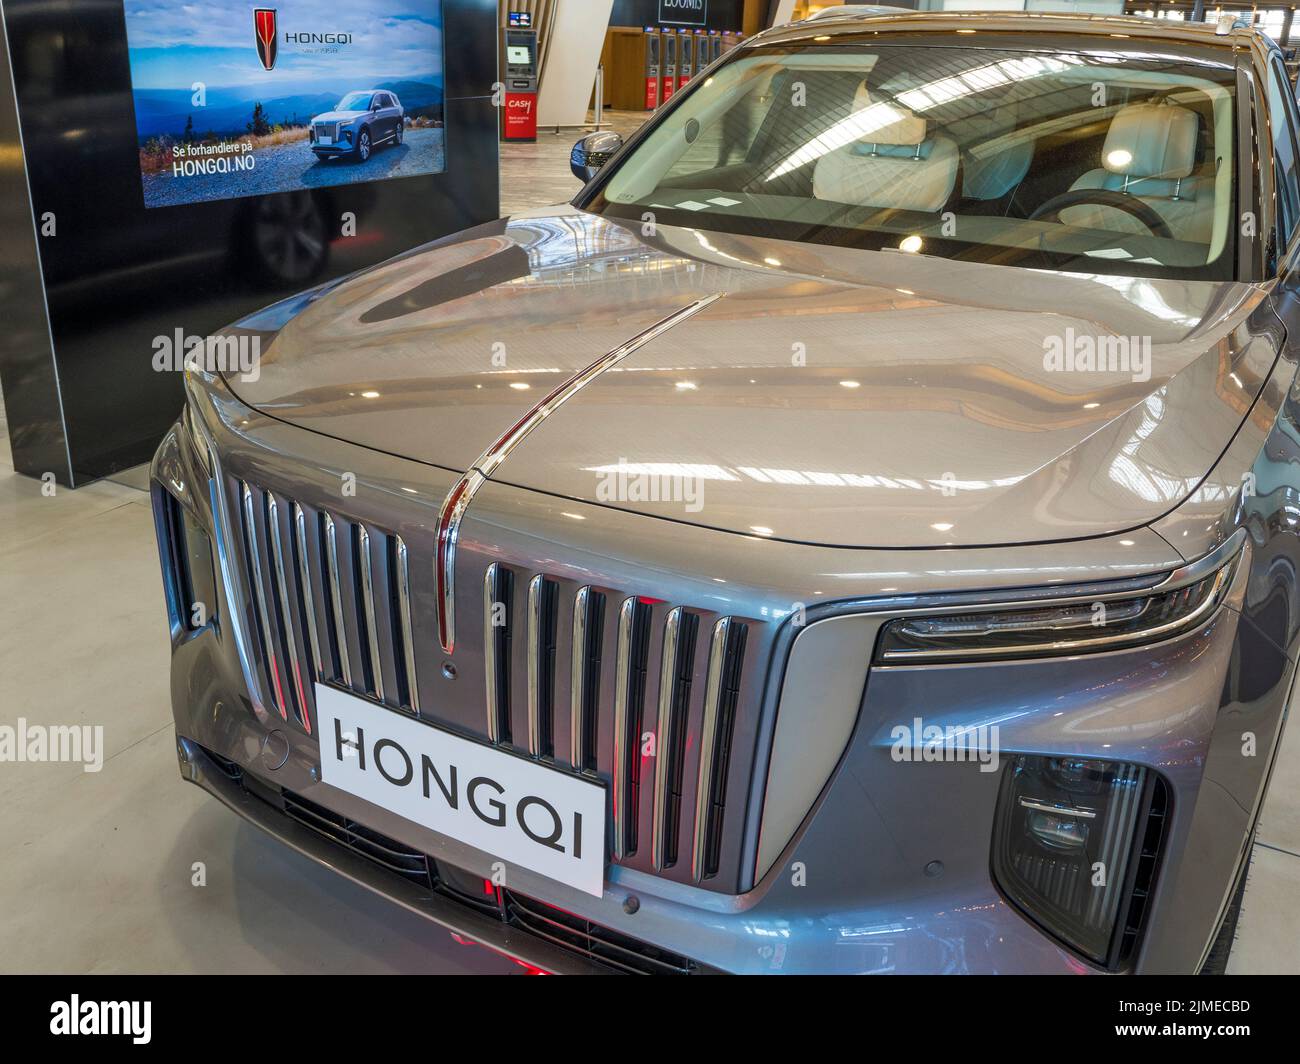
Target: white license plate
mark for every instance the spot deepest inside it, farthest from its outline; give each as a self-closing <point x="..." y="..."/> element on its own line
<point x="507" y="806"/>
<point x="324" y="139"/>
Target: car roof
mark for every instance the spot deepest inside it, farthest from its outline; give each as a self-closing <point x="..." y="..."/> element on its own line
<point x="1095" y="27"/>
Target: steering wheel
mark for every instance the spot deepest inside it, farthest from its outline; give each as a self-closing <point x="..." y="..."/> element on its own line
<point x="1104" y="197"/>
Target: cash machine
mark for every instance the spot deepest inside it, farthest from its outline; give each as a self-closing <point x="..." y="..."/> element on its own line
<point x="652" y="45"/>
<point x="668" y="69"/>
<point x="685" y="57"/>
<point x="715" y="45"/>
<point x="519" y="81"/>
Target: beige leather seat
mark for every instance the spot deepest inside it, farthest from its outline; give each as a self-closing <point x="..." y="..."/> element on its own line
<point x="990" y="175"/>
<point x="893" y="163"/>
<point x="1150" y="153"/>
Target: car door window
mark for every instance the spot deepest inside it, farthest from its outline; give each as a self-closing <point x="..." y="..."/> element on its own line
<point x="1282" y="121"/>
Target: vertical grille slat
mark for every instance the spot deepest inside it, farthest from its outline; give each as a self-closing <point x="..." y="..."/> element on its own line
<point x="543" y="612"/>
<point x="265" y="632"/>
<point x="372" y="665"/>
<point x="306" y="597"/>
<point x="498" y="588"/>
<point x="676" y="668"/>
<point x="722" y="688"/>
<point x="284" y="620"/>
<point x="585" y="659"/>
<point x="338" y="636"/>
<point x="401" y="580"/>
<point x="629" y="699"/>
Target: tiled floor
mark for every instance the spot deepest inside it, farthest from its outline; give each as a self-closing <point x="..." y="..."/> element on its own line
<point x="98" y="868"/>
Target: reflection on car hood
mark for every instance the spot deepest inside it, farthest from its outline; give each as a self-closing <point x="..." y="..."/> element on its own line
<point x="339" y="116"/>
<point x="830" y="395"/>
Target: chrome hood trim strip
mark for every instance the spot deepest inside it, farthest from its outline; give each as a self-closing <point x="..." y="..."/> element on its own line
<point x="462" y="493"/>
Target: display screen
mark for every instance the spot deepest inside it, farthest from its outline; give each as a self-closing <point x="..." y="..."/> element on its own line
<point x="238" y="100"/>
<point x="516" y="53"/>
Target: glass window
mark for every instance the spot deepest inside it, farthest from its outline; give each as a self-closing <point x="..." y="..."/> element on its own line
<point x="1067" y="161"/>
<point x="354" y="101"/>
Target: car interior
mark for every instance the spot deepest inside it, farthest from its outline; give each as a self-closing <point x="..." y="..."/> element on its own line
<point x="971" y="152"/>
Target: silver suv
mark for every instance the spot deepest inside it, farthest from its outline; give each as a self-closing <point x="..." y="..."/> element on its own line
<point x="361" y="122"/>
<point x="878" y="554"/>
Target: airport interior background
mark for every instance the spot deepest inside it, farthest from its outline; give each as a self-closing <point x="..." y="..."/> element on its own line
<point x="99" y="852"/>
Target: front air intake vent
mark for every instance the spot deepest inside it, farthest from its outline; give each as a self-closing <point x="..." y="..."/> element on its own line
<point x="406" y="862"/>
<point x="599" y="943"/>
<point x="570" y="932"/>
<point x="1146" y="865"/>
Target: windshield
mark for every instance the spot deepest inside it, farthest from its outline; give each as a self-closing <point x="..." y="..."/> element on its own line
<point x="354" y="101"/>
<point x="1093" y="163"/>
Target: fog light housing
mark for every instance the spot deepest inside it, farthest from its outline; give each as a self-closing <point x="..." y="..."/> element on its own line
<point x="1073" y="849"/>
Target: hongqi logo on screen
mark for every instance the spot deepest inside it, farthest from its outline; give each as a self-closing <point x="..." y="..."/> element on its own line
<point x="264" y="31"/>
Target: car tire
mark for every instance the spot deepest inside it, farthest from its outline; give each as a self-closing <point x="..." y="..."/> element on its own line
<point x="363" y="145"/>
<point x="1216" y="961"/>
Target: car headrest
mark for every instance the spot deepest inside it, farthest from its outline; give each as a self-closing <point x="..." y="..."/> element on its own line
<point x="886" y="123"/>
<point x="1151" y="140"/>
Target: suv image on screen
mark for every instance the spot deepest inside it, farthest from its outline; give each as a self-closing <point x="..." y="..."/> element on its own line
<point x="362" y="121"/>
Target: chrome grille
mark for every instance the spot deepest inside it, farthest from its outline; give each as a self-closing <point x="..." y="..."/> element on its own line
<point x="676" y="673"/>
<point x="337" y="589"/>
<point x="327" y="129"/>
<point x="578" y="675"/>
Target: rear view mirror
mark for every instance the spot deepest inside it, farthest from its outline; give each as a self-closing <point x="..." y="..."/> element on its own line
<point x="592" y="152"/>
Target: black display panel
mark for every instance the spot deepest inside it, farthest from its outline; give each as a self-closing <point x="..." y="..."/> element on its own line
<point x="238" y="100"/>
<point x="118" y="279"/>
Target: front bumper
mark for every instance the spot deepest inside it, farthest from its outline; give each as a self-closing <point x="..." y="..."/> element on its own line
<point x="457" y="910"/>
<point x="854" y="889"/>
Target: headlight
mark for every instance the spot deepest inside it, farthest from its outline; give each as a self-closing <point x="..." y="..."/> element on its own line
<point x="1075" y="847"/>
<point x="1073" y="624"/>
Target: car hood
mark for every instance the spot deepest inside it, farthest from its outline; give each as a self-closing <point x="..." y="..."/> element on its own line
<point x="824" y="395"/>
<point x="339" y="116"/>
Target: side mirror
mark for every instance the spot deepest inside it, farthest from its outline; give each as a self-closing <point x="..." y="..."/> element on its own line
<point x="592" y="152"/>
